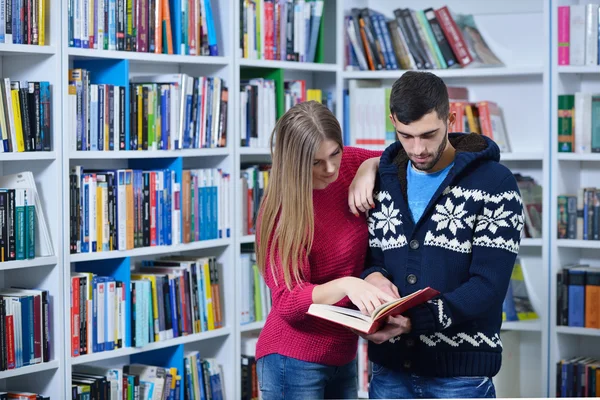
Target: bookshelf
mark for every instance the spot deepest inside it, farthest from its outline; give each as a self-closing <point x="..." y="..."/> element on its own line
<point x="527" y="73"/>
<point x="530" y="80"/>
<point x="571" y="171"/>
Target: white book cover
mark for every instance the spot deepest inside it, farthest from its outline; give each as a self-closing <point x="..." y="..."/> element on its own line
<point x="577" y="35"/>
<point x="110" y="298"/>
<point x="583" y="122"/>
<point x="591" y="34"/>
<point x="216" y="111"/>
<point x="101" y="313"/>
<point x="121" y="210"/>
<point x="25" y="180"/>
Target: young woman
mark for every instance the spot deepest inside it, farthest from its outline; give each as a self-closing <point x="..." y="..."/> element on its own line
<point x="311" y="248"/>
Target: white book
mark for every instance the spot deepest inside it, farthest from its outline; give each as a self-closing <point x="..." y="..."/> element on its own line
<point x="577" y="35"/>
<point x="25" y="180"/>
<point x="110" y="299"/>
<point x="9" y="113"/>
<point x="583" y="122"/>
<point x="591" y="34"/>
<point x="101" y="313"/>
<point x="117" y="118"/>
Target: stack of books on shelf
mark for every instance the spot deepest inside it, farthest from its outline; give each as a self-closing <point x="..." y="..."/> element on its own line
<point x="517" y="304"/>
<point x="256" y="300"/>
<point x="532" y="197"/>
<point x="166" y="298"/>
<point x="24" y="22"/>
<point x="22" y="396"/>
<point x="25" y="116"/>
<point x="578" y="122"/>
<point x="146" y="26"/>
<point x="166" y="112"/>
<point x="286" y="30"/>
<point x="578" y="296"/>
<point x="579" y="215"/>
<point x="198" y="379"/>
<point x="367" y="123"/>
<point x="249" y="383"/>
<point x="24" y="233"/>
<point x="259" y="99"/>
<point x="254" y="179"/>
<point x="414" y="39"/>
<point x="578" y="34"/>
<point x="578" y="377"/>
<point x="25" y="334"/>
<point x="125" y="209"/>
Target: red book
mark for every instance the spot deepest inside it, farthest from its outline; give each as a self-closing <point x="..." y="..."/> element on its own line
<point x="371" y="323"/>
<point x="454" y="36"/>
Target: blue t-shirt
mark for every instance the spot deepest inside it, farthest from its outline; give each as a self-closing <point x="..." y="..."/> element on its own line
<point x="422" y="187"/>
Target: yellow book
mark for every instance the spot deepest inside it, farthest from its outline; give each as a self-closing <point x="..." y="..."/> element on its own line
<point x="152" y="278"/>
<point x="14" y="94"/>
<point x="210" y="317"/>
<point x="42" y="22"/>
<point x="314" y="94"/>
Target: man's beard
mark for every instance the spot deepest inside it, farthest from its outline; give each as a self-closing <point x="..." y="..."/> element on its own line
<point x="438" y="154"/>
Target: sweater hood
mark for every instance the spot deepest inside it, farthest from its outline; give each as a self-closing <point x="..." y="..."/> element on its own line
<point x="471" y="148"/>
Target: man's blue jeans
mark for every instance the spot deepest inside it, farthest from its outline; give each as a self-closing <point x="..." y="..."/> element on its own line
<point x="281" y="377"/>
<point x="389" y="384"/>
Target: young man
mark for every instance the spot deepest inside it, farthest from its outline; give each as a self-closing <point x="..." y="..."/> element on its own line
<point x="449" y="216"/>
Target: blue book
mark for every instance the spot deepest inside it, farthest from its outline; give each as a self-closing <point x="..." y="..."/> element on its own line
<point x="577" y="297"/>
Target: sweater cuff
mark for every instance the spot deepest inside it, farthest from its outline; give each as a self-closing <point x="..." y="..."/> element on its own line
<point x="372" y="270"/>
<point x="304" y="300"/>
<point x="432" y="316"/>
<point x="421" y="320"/>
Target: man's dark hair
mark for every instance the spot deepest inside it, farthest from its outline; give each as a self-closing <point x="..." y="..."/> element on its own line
<point x="417" y="93"/>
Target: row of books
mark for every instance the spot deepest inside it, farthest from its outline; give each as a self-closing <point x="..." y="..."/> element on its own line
<point x="18" y="395"/>
<point x="256" y="296"/>
<point x="532" y="195"/>
<point x="367" y="122"/>
<point x="24" y="22"/>
<point x="579" y="215"/>
<point x="249" y="373"/>
<point x="578" y="377"/>
<point x="24" y="230"/>
<point x="131" y="208"/>
<point x="578" y="122"/>
<point x="25" y="335"/>
<point x="201" y="378"/>
<point x="146" y="26"/>
<point x="517" y="305"/>
<point x="25" y="116"/>
<point x="166" y="112"/>
<point x="254" y="181"/>
<point x="414" y="39"/>
<point x="364" y="366"/>
<point x="286" y="30"/>
<point x="258" y="100"/>
<point x="578" y="34"/>
<point x="169" y="298"/>
<point x="17" y="224"/>
<point x="578" y="296"/>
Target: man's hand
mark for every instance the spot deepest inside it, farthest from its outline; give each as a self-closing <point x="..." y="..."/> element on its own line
<point x="394" y="326"/>
<point x="384" y="284"/>
<point x="360" y="193"/>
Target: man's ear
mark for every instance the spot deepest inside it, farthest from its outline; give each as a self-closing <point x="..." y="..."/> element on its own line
<point x="451" y="120"/>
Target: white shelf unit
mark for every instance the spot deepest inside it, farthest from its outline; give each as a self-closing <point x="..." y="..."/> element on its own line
<point x="219" y="343"/>
<point x="523" y="48"/>
<point x="570" y="172"/>
<point x="24" y="63"/>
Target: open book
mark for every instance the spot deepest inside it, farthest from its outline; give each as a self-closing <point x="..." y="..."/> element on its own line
<point x="369" y="324"/>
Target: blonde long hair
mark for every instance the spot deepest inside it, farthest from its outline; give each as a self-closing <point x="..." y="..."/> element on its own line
<point x="286" y="226"/>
